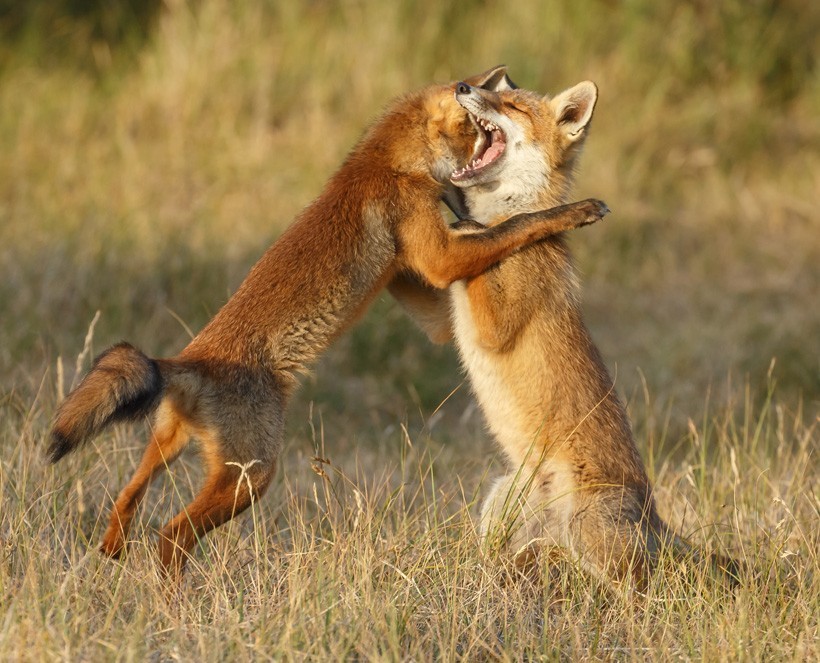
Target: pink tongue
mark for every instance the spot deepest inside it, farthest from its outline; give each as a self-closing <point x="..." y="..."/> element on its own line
<point x="492" y="152"/>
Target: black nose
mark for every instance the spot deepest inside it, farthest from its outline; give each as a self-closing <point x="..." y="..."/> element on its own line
<point x="462" y="88"/>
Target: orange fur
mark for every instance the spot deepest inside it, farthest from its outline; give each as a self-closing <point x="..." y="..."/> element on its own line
<point x="576" y="479"/>
<point x="377" y="216"/>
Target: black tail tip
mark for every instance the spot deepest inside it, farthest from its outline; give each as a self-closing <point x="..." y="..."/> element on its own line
<point x="59" y="447"/>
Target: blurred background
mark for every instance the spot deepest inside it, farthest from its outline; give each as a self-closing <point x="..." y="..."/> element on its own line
<point x="150" y="152"/>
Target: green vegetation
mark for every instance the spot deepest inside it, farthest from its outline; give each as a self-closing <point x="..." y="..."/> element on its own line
<point x="148" y="158"/>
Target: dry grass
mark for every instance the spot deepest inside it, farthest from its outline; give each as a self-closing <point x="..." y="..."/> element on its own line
<point x="372" y="554"/>
<point x="143" y="183"/>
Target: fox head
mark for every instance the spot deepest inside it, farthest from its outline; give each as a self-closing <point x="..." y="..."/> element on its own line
<point x="453" y="135"/>
<point x="431" y="131"/>
<point x="527" y="147"/>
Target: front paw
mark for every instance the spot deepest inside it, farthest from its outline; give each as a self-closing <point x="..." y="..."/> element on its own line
<point x="591" y="210"/>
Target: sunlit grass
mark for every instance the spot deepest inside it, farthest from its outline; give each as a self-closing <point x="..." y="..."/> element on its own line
<point x="373" y="553"/>
<point x="142" y="182"/>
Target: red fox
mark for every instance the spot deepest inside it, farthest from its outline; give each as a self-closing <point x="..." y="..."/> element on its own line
<point x="377" y="216"/>
<point x="577" y="480"/>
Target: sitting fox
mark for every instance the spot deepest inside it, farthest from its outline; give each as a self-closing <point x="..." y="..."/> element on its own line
<point x="577" y="479"/>
<point x="377" y="216"/>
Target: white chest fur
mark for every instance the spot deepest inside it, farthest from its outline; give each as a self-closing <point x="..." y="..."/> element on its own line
<point x="491" y="389"/>
<point x="525" y="177"/>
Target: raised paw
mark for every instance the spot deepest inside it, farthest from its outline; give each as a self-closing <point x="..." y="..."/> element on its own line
<point x="593" y="210"/>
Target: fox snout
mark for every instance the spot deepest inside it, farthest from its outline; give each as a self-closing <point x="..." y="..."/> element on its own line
<point x="492" y="140"/>
<point x="467" y="95"/>
<point x="472" y="94"/>
<point x="481" y="104"/>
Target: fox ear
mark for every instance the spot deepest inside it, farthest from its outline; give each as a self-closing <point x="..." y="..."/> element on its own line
<point x="574" y="107"/>
<point x="494" y="79"/>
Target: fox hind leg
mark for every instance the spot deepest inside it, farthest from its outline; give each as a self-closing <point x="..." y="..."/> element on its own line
<point x="228" y="491"/>
<point x="167" y="442"/>
<point x="517" y="516"/>
<point x="615" y="533"/>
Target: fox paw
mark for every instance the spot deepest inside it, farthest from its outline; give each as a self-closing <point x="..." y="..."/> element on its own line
<point x="113" y="544"/>
<point x="593" y="209"/>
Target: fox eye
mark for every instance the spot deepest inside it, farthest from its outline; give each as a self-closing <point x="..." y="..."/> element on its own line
<point x="515" y="107"/>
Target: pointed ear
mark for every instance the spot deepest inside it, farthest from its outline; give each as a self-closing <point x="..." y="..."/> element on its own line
<point x="494" y="79"/>
<point x="573" y="109"/>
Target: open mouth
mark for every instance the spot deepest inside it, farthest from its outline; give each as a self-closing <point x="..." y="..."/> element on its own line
<point x="489" y="147"/>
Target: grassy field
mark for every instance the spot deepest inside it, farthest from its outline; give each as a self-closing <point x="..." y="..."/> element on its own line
<point x="147" y="161"/>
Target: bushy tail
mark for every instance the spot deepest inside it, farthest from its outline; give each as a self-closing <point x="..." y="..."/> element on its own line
<point x="123" y="384"/>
